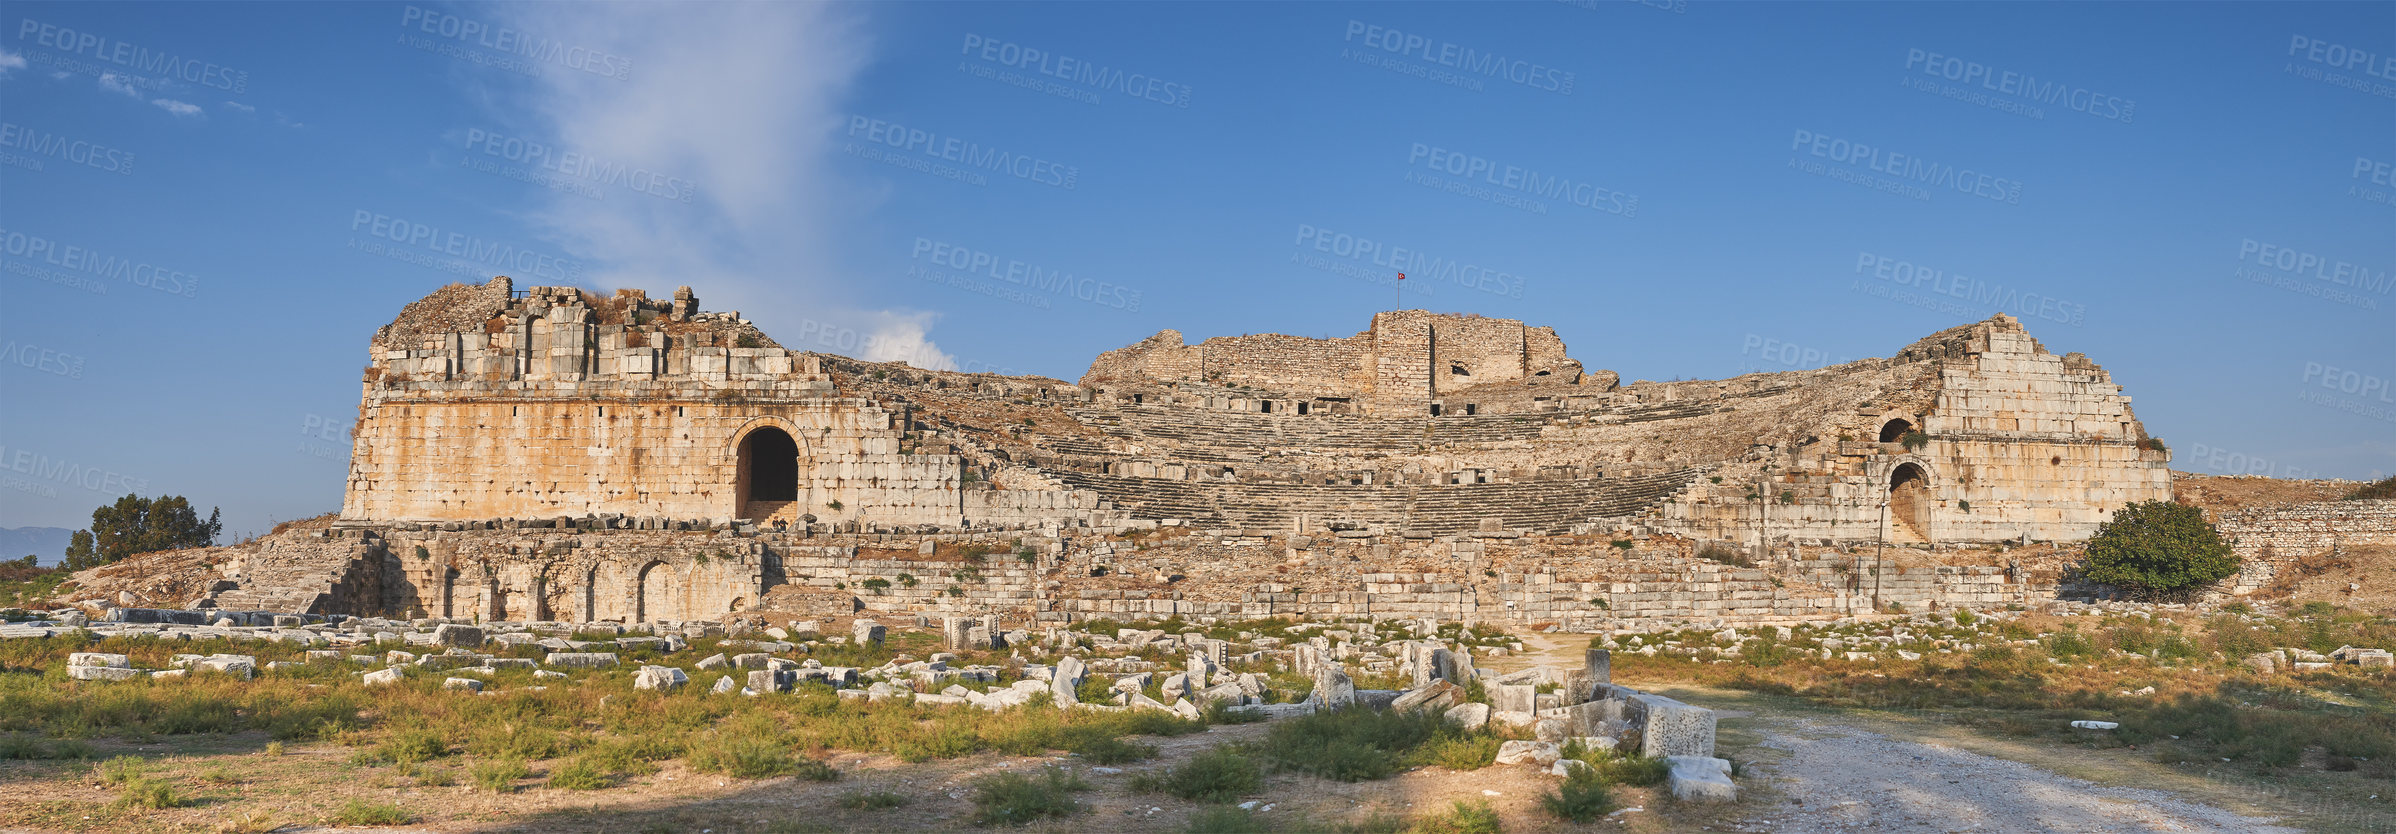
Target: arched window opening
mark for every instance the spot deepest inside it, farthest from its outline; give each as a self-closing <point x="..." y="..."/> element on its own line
<point x="769" y="471"/>
<point x="1895" y="430"/>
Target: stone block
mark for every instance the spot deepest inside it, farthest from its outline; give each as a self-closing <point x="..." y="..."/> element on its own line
<point x="581" y="660"/>
<point x="468" y="684"/>
<point x="101" y="673"/>
<point x="1700" y="779"/>
<point x="1541" y="753"/>
<point x="1332" y="687"/>
<point x="1469" y="716"/>
<point x="1667" y="727"/>
<point x="1438" y="695"/>
<point x="461" y="636"/>
<point x="867" y="632"/>
<point x="98" y="659"/>
<point x="1066" y="678"/>
<point x="660" y="678"/>
<point x="391" y="675"/>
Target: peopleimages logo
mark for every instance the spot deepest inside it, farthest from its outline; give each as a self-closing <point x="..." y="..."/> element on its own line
<point x="1067" y="68"/>
<point x="964" y="152"/>
<point x="1030" y="276"/>
<point x="65" y="148"/>
<point x="468" y="248"/>
<point x="578" y="165"/>
<point x="1981" y="293"/>
<point x="2315" y="266"/>
<point x="133" y="56"/>
<point x="1391" y="260"/>
<point x="469" y="31"/>
<point x="1463" y="59"/>
<point x="1906" y="169"/>
<point x="1523" y="180"/>
<point x="77" y="261"/>
<point x="2025" y="87"/>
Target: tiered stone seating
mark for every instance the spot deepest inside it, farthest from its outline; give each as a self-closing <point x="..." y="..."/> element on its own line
<point x="1224" y="436"/>
<point x="1541" y="506"/>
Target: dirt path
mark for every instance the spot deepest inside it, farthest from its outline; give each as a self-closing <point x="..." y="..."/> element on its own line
<point x="1822" y="776"/>
<point x="1817" y="770"/>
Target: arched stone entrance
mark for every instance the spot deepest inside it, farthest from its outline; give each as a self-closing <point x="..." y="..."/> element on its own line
<point x="1895" y="430"/>
<point x="1909" y="503"/>
<point x="768" y="477"/>
<point x="653" y="596"/>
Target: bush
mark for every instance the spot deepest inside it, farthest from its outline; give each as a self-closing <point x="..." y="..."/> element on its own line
<point x="1460" y="818"/>
<point x="499" y="775"/>
<point x="871" y="800"/>
<point x="362" y="812"/>
<point x="2382" y="489"/>
<point x="1016" y="799"/>
<point x="147" y="792"/>
<point x="581" y="775"/>
<point x="1913" y="440"/>
<point x="1355" y="745"/>
<point x="1225" y="819"/>
<point x="743" y="756"/>
<point x="1583" y="798"/>
<point x="2158" y="546"/>
<point x="1220" y="774"/>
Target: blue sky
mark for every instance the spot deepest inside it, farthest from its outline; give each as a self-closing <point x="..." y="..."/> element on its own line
<point x="206" y="209"/>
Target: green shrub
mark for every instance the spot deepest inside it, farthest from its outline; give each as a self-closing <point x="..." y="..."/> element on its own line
<point x="1098" y="745"/>
<point x="1225" y="819"/>
<point x="1583" y="798"/>
<point x="499" y="775"/>
<point x="2159" y="547"/>
<point x="871" y="800"/>
<point x="362" y="812"/>
<point x="1219" y="774"/>
<point x="1015" y="799"/>
<point x="147" y="792"/>
<point x="2382" y="489"/>
<point x="2069" y="644"/>
<point x="1460" y="818"/>
<point x="743" y="756"/>
<point x="1914" y="440"/>
<point x="122" y="769"/>
<point x="1351" y="745"/>
<point x="1461" y="752"/>
<point x="581" y="775"/>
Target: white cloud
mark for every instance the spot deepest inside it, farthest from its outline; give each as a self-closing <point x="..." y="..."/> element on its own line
<point x="241" y="107"/>
<point x="115" y="83"/>
<point x="179" y="108"/>
<point x="10" y="61"/>
<point x="900" y="337"/>
<point x="741" y="100"/>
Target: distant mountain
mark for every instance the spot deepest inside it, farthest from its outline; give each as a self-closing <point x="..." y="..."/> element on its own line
<point x="49" y="543"/>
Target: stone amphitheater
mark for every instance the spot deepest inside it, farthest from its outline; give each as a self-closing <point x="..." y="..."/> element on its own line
<point x="554" y="455"/>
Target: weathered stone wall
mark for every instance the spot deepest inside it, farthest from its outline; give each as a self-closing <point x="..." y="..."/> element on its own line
<point x="2266" y="539"/>
<point x="560" y="405"/>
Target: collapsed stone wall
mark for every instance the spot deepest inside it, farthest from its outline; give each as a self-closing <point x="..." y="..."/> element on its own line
<point x="2268" y="539"/>
<point x="1577" y="583"/>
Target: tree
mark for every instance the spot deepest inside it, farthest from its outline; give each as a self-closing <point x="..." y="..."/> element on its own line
<point x="139" y="525"/>
<point x="2159" y="547"/>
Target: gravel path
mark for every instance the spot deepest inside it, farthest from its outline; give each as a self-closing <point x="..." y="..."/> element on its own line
<point x="1839" y="779"/>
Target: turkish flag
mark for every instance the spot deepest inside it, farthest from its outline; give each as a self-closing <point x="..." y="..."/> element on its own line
<point x="1401" y="276"/>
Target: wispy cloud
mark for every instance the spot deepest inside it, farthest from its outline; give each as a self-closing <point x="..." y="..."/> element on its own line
<point x="10" y="61"/>
<point x="760" y="236"/>
<point x="248" y="109"/>
<point x="179" y="108"/>
<point x="115" y="83"/>
<point x="903" y="337"/>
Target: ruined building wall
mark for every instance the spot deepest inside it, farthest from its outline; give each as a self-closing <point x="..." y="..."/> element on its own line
<point x="1396" y="368"/>
<point x="544" y="408"/>
<point x="2267" y="539"/>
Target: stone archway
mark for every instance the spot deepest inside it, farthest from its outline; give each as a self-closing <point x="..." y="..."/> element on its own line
<point x="1909" y="503"/>
<point x="653" y="595"/>
<point x="770" y="466"/>
<point x="1895" y="430"/>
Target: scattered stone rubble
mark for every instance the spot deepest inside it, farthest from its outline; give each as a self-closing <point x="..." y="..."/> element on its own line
<point x="1182" y="673"/>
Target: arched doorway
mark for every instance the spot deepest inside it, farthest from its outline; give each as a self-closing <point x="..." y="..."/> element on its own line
<point x="1895" y="430"/>
<point x="1909" y="504"/>
<point x="769" y="472"/>
<point x="653" y="598"/>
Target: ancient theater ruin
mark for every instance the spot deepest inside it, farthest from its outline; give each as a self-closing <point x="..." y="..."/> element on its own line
<point x="553" y="454"/>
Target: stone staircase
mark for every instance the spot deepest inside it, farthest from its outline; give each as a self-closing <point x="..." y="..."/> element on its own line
<point x="1539" y="506"/>
<point x="308" y="577"/>
<point x="1228" y="436"/>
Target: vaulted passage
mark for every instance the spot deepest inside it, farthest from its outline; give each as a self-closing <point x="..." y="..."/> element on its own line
<point x="654" y="597"/>
<point x="769" y="467"/>
<point x="1909" y="504"/>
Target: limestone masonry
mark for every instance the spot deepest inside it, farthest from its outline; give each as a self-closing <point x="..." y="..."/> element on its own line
<point x="551" y="454"/>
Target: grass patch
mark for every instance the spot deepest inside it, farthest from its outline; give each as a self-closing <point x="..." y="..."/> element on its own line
<point x="1583" y="798"/>
<point x="362" y="812"/>
<point x="1220" y="774"/>
<point x="147" y="792"/>
<point x="1016" y="799"/>
<point x="499" y="775"/>
<point x="1460" y="818"/>
<point x="871" y="800"/>
<point x="1355" y="745"/>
